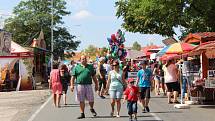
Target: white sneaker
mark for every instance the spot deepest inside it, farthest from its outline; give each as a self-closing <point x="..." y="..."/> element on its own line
<point x="117" y="115"/>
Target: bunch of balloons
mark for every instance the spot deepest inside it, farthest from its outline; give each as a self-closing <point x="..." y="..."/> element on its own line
<point x="116" y="46"/>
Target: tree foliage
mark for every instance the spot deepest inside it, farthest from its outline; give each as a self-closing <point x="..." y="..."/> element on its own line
<point x="136" y="46"/>
<point x="33" y="15"/>
<point x="103" y="51"/>
<point x="91" y="50"/>
<point x="162" y="16"/>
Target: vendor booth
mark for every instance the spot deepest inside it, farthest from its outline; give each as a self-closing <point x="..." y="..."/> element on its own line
<point x="206" y="54"/>
<point x="41" y="59"/>
<point x="16" y="69"/>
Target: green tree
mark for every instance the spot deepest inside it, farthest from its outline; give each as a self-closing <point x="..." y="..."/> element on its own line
<point x="33" y="15"/>
<point x="91" y="50"/>
<point x="103" y="51"/>
<point x="162" y="16"/>
<point x="136" y="46"/>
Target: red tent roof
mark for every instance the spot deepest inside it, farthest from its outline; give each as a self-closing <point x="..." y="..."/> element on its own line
<point x="18" y="51"/>
<point x="200" y="35"/>
<point x="145" y="49"/>
<point x="16" y="48"/>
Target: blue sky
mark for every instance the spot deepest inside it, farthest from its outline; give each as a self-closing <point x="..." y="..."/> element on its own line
<point x="92" y="21"/>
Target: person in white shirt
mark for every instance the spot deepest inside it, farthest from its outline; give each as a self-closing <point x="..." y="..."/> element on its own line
<point x="108" y="68"/>
<point x="171" y="80"/>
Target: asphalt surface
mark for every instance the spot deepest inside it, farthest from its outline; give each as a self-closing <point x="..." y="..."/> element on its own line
<point x="160" y="111"/>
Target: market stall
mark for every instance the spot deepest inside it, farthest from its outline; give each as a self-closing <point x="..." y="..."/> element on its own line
<point x="18" y="62"/>
<point x="206" y="53"/>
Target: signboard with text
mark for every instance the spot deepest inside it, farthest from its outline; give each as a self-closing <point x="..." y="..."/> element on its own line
<point x="210" y="82"/>
<point x="132" y="75"/>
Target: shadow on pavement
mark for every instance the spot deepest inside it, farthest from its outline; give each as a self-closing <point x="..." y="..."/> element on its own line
<point x="208" y="106"/>
<point x="159" y="97"/>
<point x="66" y="106"/>
<point x="120" y="116"/>
<point x="145" y="115"/>
<point x="167" y="112"/>
<point x="108" y="117"/>
<point x="149" y="120"/>
<point x="73" y="104"/>
<point x="103" y="98"/>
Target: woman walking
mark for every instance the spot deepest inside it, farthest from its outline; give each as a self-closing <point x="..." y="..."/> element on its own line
<point x="65" y="79"/>
<point x="171" y="80"/>
<point x="161" y="75"/>
<point x="55" y="85"/>
<point x="115" y="84"/>
<point x="101" y="71"/>
<point x="156" y="79"/>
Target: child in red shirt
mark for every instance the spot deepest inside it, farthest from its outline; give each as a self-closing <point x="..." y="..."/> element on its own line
<point x="131" y="94"/>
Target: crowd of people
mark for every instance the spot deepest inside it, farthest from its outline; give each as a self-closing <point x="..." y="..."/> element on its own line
<point x="110" y="78"/>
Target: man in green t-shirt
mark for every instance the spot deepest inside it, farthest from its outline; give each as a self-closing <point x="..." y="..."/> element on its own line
<point x="84" y="74"/>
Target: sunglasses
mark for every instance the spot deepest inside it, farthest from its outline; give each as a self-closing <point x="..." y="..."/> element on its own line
<point x="114" y="65"/>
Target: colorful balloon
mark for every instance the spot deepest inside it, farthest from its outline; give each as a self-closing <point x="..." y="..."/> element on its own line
<point x="121" y="46"/>
<point x="119" y="32"/>
<point x="116" y="46"/>
<point x="113" y="38"/>
<point x="117" y="36"/>
<point x="120" y="52"/>
<point x="109" y="41"/>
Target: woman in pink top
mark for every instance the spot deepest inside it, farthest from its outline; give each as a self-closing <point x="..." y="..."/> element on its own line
<point x="171" y="80"/>
<point x="55" y="85"/>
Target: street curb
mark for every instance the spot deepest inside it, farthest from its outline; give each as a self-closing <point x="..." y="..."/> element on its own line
<point x="39" y="109"/>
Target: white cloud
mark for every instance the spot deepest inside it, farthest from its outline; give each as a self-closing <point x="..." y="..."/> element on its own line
<point x="83" y="14"/>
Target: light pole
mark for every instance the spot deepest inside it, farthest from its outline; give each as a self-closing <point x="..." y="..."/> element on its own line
<point x="52" y="43"/>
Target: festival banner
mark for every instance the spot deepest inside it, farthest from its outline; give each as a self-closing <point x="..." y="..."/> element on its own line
<point x="5" y="43"/>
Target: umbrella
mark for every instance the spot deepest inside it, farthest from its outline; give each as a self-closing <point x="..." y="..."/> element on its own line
<point x="176" y="48"/>
<point x="169" y="56"/>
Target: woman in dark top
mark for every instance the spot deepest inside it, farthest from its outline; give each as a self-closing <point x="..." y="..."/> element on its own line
<point x="101" y="72"/>
<point x="65" y="78"/>
<point x="161" y="75"/>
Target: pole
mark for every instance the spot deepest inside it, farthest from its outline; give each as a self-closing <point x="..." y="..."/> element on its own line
<point x="52" y="48"/>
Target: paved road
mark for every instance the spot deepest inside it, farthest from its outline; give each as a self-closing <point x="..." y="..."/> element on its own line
<point x="160" y="110"/>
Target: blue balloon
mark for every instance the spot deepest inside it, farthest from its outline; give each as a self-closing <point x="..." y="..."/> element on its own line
<point x="116" y="49"/>
<point x="110" y="41"/>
